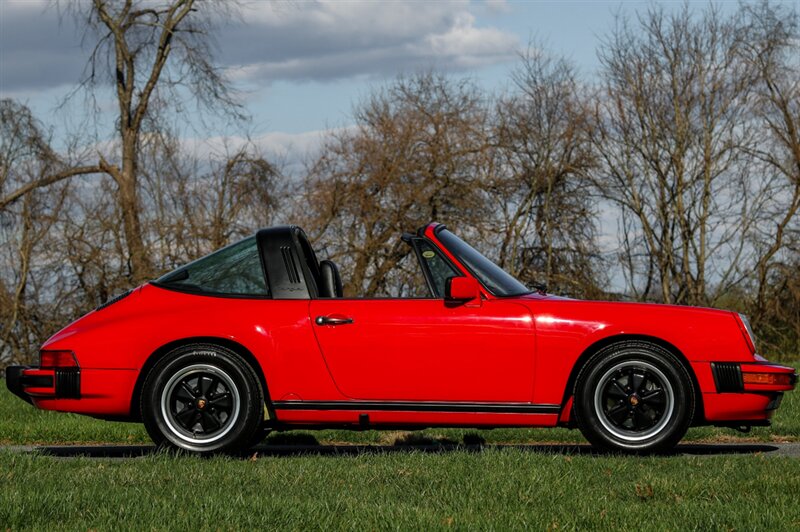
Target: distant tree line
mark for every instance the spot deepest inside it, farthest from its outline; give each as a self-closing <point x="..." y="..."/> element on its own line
<point x="672" y="175"/>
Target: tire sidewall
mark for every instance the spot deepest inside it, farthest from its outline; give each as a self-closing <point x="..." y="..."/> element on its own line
<point x="248" y="389"/>
<point x="679" y="380"/>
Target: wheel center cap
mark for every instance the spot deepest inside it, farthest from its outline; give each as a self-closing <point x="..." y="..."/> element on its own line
<point x="634" y="399"/>
<point x="201" y="403"/>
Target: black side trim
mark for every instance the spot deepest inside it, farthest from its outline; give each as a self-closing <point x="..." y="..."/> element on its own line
<point x="727" y="377"/>
<point x="421" y="406"/>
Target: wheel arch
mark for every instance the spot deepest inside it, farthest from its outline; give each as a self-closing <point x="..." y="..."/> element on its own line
<point x="162" y="351"/>
<point x="589" y="352"/>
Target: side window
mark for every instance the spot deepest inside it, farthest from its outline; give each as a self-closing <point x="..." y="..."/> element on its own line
<point x="407" y="280"/>
<point x="233" y="270"/>
<point x="436" y="266"/>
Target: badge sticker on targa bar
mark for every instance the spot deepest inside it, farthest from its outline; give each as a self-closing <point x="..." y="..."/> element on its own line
<point x="428" y="254"/>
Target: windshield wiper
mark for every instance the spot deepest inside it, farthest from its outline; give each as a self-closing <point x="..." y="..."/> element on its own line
<point x="181" y="275"/>
<point x="539" y="287"/>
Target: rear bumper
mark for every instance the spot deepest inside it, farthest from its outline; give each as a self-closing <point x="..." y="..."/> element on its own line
<point x="28" y="383"/>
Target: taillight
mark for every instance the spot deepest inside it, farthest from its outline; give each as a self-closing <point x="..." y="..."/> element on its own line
<point x="57" y="359"/>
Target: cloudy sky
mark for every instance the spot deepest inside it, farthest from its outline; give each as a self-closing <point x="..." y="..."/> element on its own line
<point x="301" y="65"/>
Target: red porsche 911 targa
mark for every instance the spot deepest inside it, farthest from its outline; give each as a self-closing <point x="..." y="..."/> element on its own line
<point x="257" y="337"/>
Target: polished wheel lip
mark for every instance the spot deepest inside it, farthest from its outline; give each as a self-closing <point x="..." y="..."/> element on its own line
<point x="607" y="380"/>
<point x="188" y="373"/>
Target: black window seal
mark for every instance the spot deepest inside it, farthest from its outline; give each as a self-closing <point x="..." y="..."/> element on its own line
<point x="426" y="271"/>
<point x="208" y="294"/>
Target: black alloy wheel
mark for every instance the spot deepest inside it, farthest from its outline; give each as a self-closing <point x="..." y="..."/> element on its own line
<point x="203" y="398"/>
<point x="201" y="402"/>
<point x="634" y="396"/>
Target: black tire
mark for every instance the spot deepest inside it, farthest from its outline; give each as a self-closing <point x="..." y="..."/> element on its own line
<point x="260" y="435"/>
<point x="634" y="397"/>
<point x="202" y="398"/>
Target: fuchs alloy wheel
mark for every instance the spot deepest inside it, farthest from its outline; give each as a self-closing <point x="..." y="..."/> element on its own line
<point x="634" y="397"/>
<point x="202" y="398"/>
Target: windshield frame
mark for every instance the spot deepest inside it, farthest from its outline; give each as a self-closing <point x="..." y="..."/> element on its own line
<point x="497" y="277"/>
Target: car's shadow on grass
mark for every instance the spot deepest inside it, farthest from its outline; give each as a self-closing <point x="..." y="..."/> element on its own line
<point x="344" y="449"/>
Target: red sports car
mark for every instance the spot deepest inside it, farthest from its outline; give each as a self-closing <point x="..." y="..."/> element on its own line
<point x="257" y="337"/>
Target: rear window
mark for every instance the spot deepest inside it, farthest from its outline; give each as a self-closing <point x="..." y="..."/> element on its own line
<point x="233" y="270"/>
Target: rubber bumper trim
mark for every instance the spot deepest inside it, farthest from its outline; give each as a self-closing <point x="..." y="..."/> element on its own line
<point x="16" y="382"/>
<point x="65" y="382"/>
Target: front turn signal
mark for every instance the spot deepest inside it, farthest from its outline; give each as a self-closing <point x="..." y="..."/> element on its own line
<point x="775" y="379"/>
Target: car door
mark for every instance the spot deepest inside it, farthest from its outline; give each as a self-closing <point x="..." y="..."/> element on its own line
<point x="424" y="350"/>
<point x="427" y="349"/>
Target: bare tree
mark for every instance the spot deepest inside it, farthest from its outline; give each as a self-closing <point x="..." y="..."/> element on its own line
<point x="25" y="154"/>
<point x="672" y="131"/>
<point x="770" y="47"/>
<point x="195" y="204"/>
<point x="23" y="137"/>
<point x="147" y="51"/>
<point x="540" y="185"/>
<point x="416" y="154"/>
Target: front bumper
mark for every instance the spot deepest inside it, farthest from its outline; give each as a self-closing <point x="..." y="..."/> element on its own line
<point x="744" y="394"/>
<point x="28" y="382"/>
<point x="733" y="377"/>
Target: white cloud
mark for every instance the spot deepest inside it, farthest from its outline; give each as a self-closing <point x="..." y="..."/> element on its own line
<point x="271" y="41"/>
<point x="332" y="40"/>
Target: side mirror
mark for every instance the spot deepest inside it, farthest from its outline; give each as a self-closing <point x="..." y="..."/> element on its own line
<point x="462" y="289"/>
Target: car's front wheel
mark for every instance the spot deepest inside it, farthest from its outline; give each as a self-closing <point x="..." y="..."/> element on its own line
<point x="202" y="398"/>
<point x="634" y="397"/>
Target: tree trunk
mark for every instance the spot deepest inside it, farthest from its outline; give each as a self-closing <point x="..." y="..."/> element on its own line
<point x="128" y="198"/>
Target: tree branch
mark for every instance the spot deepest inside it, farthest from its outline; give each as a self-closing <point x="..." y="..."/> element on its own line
<point x="47" y="181"/>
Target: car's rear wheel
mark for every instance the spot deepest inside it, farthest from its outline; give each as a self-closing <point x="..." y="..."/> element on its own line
<point x="634" y="397"/>
<point x="202" y="398"/>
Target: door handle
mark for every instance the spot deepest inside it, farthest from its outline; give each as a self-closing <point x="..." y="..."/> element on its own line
<point x="333" y="320"/>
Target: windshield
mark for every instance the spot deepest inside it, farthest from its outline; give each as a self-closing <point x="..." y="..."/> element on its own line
<point x="494" y="278"/>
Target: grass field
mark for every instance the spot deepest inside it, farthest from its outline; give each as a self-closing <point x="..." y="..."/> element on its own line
<point x="455" y="488"/>
<point x="489" y="489"/>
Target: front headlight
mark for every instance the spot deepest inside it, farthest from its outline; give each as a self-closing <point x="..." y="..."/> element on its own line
<point x="750" y="336"/>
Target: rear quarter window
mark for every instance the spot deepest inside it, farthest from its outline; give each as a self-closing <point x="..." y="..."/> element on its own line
<point x="233" y="270"/>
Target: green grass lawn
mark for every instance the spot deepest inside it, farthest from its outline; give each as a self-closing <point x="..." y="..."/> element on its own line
<point x="508" y="488"/>
<point x="20" y="423"/>
<point x="461" y="488"/>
